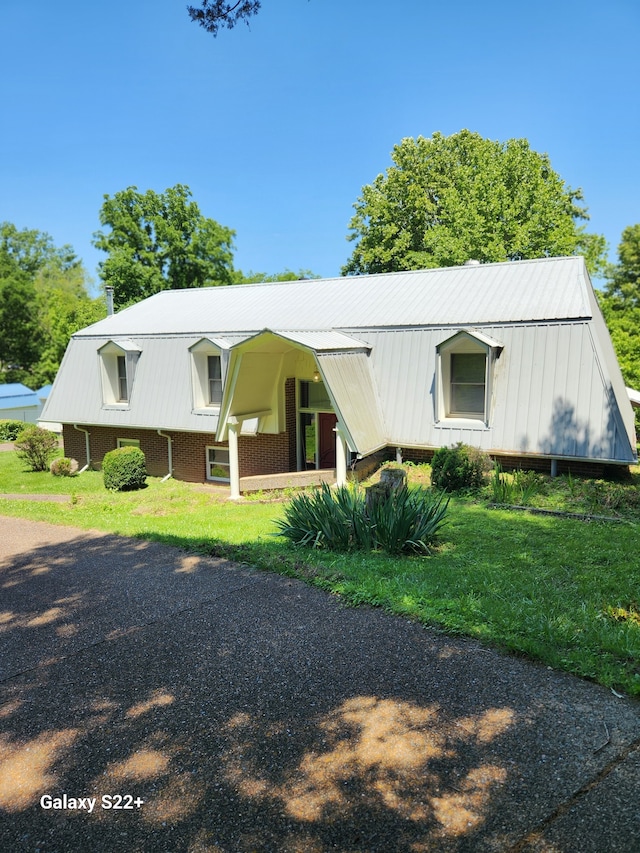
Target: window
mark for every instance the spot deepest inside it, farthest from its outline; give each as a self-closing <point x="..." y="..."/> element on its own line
<point x="128" y="442"/>
<point x="466" y="364"/>
<point x="123" y="395"/>
<point x="218" y="463"/>
<point x="214" y="372"/>
<point x="118" y="364"/>
<point x="208" y="366"/>
<point x="468" y="383"/>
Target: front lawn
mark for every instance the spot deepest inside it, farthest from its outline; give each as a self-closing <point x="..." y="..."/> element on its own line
<point x="563" y="591"/>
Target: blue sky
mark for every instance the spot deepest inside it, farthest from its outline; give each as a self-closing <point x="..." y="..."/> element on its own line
<point x="276" y="127"/>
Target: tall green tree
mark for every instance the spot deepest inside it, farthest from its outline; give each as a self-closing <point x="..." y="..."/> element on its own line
<point x="63" y="307"/>
<point x="20" y="334"/>
<point x="620" y="303"/>
<point x="624" y="277"/>
<point x="160" y="241"/>
<point x="43" y="301"/>
<point x="449" y="199"/>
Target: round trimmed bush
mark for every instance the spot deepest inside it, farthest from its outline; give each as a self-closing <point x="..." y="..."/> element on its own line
<point x="124" y="469"/>
<point x="63" y="467"/>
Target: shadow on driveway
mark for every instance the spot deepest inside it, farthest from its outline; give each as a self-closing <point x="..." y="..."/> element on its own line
<point x="249" y="712"/>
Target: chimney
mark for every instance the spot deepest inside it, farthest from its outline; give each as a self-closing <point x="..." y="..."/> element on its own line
<point x="108" y="292"/>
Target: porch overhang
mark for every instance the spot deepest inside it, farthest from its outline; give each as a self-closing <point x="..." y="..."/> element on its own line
<point x="256" y="368"/>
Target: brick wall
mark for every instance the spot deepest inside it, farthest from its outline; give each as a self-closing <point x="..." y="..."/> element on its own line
<point x="260" y="454"/>
<point x="531" y="463"/>
<point x="269" y="454"/>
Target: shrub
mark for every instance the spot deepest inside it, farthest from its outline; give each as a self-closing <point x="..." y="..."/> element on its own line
<point x="459" y="467"/>
<point x="36" y="446"/>
<point x="9" y="429"/>
<point x="124" y="469"/>
<point x="64" y="467"/>
<point x="406" y="520"/>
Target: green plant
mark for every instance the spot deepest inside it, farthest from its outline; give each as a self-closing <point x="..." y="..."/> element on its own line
<point x="124" y="469"/>
<point x="64" y="467"/>
<point x="454" y="469"/>
<point x="9" y="429"/>
<point x="407" y="520"/>
<point x="325" y="518"/>
<point x="515" y="488"/>
<point x="36" y="446"/>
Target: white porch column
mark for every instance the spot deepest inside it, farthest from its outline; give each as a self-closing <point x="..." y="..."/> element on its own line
<point x="234" y="467"/>
<point x="341" y="459"/>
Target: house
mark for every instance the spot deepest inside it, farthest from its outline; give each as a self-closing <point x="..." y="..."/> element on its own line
<point x="19" y="403"/>
<point x="227" y="382"/>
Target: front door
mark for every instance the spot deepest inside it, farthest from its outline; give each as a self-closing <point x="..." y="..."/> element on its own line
<point x="326" y="439"/>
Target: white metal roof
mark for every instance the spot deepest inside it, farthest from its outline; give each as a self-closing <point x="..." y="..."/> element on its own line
<point x="545" y="289"/>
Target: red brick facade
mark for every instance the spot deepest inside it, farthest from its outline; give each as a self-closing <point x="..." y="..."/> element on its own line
<point x="259" y="454"/>
<point x="530" y="463"/>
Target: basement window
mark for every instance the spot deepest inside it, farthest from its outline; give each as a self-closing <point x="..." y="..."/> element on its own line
<point x="218" y="464"/>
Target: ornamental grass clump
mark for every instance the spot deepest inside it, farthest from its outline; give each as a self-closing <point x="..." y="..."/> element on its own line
<point x="124" y="469"/>
<point x="407" y="521"/>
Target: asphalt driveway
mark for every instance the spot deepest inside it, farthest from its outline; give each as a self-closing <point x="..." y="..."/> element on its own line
<point x="206" y="707"/>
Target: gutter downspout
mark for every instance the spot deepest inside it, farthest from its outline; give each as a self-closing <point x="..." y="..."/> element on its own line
<point x="169" y="454"/>
<point x="86" y="447"/>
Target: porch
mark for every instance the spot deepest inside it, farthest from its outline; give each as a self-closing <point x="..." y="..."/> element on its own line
<point x="288" y="480"/>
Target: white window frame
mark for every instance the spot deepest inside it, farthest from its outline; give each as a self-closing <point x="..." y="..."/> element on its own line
<point x="464" y="343"/>
<point x="200" y="353"/>
<point x="118" y="362"/>
<point x="128" y="442"/>
<point x="222" y="462"/>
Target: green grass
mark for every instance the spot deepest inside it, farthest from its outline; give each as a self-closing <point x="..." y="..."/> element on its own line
<point x="561" y="591"/>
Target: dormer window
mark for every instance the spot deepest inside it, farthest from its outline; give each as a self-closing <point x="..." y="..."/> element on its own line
<point x="465" y="377"/>
<point x="208" y="368"/>
<point x="118" y="362"/>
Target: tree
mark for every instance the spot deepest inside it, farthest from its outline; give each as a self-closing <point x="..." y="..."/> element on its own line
<point x="63" y="307"/>
<point x="20" y="333"/>
<point x="29" y="250"/>
<point x="620" y="305"/>
<point x="43" y="301"/>
<point x="212" y="15"/>
<point x="263" y="277"/>
<point x="624" y="284"/>
<point x="449" y="199"/>
<point x="159" y="241"/>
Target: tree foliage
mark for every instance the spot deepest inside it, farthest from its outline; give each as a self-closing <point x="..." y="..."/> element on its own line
<point x="620" y="305"/>
<point x="213" y="15"/>
<point x="449" y="199"/>
<point x="160" y="241"/>
<point x="43" y="300"/>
